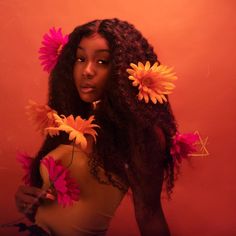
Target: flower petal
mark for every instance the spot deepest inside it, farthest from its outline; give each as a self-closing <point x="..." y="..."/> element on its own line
<point x="147" y="66"/>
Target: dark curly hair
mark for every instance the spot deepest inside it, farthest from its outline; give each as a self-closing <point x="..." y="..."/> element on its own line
<point x="127" y="124"/>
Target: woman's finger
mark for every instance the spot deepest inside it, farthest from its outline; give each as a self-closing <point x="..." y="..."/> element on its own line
<point x="28" y="197"/>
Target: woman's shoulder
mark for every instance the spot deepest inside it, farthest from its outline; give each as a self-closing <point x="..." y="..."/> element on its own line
<point x="60" y="152"/>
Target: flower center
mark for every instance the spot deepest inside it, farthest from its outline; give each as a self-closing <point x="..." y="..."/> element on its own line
<point x="147" y="81"/>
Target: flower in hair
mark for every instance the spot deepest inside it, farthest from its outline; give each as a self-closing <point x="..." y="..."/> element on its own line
<point x="153" y="82"/>
<point x="53" y="43"/>
<point x="65" y="187"/>
<point x="75" y="127"/>
<point x="26" y="163"/>
<point x="40" y="115"/>
<point x="183" y="145"/>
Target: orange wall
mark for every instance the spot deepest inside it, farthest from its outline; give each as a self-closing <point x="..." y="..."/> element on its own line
<point x="197" y="37"/>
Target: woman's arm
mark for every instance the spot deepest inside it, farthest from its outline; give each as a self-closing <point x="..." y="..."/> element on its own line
<point x="146" y="179"/>
<point x="147" y="204"/>
<point x="150" y="219"/>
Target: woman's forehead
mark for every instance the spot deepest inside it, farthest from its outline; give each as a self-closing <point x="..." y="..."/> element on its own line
<point x="94" y="42"/>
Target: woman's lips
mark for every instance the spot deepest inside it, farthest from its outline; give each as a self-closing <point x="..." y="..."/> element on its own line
<point x="87" y="89"/>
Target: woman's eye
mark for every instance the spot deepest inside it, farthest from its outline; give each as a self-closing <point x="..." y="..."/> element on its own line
<point x="103" y="62"/>
<point x="80" y="59"/>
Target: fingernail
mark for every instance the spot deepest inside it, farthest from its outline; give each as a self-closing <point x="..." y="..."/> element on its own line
<point x="50" y="196"/>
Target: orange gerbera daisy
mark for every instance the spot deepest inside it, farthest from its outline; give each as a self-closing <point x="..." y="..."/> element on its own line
<point x="40" y="115"/>
<point x="153" y="82"/>
<point x="75" y="127"/>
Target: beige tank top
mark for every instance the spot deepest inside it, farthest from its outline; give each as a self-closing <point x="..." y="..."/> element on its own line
<point x="96" y="206"/>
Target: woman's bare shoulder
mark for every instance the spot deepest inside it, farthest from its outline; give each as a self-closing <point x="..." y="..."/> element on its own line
<point x="60" y="152"/>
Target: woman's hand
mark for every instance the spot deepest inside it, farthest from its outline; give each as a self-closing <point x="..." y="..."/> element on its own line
<point x="27" y="200"/>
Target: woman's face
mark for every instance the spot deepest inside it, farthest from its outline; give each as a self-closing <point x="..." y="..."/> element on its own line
<point x="92" y="67"/>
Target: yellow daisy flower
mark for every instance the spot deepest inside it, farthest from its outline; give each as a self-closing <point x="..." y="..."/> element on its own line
<point x="75" y="127"/>
<point x="153" y="82"/>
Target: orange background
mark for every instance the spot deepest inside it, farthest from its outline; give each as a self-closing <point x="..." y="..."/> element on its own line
<point x="197" y="37"/>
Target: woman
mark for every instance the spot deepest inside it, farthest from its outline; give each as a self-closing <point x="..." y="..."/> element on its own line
<point x="132" y="149"/>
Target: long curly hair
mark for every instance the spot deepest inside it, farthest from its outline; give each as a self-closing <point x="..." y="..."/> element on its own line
<point x="127" y="125"/>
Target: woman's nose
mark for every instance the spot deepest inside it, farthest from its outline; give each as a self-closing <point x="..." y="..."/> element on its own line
<point x="89" y="69"/>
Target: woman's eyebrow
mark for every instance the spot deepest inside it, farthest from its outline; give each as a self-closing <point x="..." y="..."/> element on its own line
<point x="80" y="48"/>
<point x="103" y="50"/>
<point x="96" y="51"/>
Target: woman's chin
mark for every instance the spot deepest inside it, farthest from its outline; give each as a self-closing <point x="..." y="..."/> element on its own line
<point x="89" y="98"/>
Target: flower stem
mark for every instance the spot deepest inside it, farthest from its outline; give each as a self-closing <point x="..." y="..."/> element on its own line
<point x="72" y="156"/>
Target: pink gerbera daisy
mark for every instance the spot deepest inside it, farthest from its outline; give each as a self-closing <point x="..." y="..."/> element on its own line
<point x="53" y="43"/>
<point x="183" y="145"/>
<point x="26" y="163"/>
<point x="67" y="190"/>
